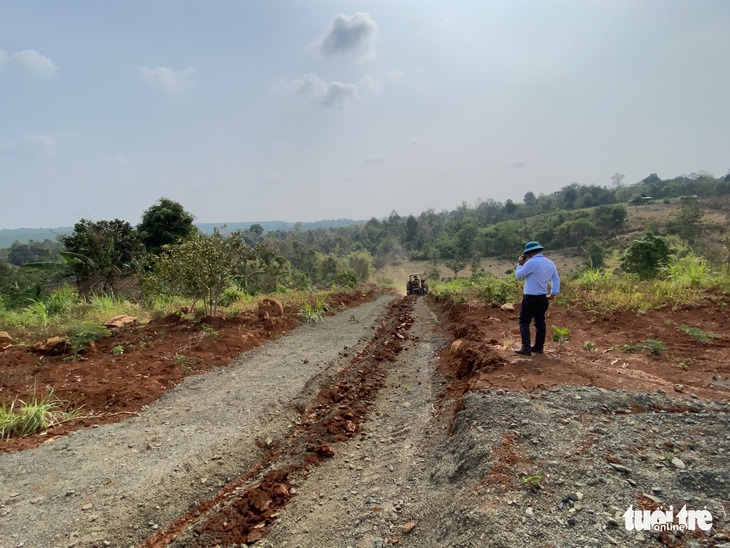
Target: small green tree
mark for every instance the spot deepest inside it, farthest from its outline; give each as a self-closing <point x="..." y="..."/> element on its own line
<point x="361" y="263"/>
<point x="202" y="267"/>
<point x="687" y="223"/>
<point x="593" y="254"/>
<point x="455" y="265"/>
<point x="646" y="255"/>
<point x="199" y="268"/>
<point x="163" y="224"/>
<point x="101" y="252"/>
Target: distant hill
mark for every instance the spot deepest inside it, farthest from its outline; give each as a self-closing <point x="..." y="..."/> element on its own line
<point x="23" y="235"/>
<point x="8" y="236"/>
<point x="268" y="226"/>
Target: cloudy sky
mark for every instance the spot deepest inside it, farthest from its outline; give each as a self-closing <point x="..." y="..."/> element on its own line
<point x="254" y="110"/>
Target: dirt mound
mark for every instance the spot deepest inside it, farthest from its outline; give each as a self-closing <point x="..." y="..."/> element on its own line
<point x="604" y="350"/>
<point x="560" y="467"/>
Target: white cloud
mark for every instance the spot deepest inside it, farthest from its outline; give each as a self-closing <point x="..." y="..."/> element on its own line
<point x="326" y="94"/>
<point x="368" y="83"/>
<point x="521" y="164"/>
<point x="374" y="160"/>
<point x="167" y="79"/>
<point x="348" y="32"/>
<point x="31" y="61"/>
<point x="30" y="146"/>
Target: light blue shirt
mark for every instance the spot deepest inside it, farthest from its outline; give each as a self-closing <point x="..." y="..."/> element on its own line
<point x="537" y="272"/>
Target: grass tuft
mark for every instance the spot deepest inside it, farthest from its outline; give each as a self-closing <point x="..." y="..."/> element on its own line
<point x="23" y="419"/>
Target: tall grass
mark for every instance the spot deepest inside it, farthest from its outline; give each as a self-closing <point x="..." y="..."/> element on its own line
<point x="62" y="300"/>
<point x="314" y="313"/>
<point x="688" y="271"/>
<point x="681" y="282"/>
<point x="59" y="311"/>
<point x="23" y="419"/>
<point x="482" y="288"/>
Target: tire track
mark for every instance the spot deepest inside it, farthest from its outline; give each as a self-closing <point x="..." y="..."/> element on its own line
<point x="244" y="510"/>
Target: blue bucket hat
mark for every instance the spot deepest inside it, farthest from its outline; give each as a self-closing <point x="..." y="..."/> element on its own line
<point x="533" y="246"/>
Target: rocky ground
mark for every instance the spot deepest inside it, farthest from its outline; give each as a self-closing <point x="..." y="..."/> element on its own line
<point x="373" y="429"/>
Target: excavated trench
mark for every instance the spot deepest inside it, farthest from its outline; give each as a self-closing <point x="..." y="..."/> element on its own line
<point x="245" y="508"/>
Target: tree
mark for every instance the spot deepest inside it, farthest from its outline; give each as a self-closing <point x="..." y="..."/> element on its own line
<point x="411" y="232"/>
<point x="570" y="195"/>
<point x="646" y="255"/>
<point x="165" y="223"/>
<point x="529" y="198"/>
<point x="688" y="221"/>
<point x="101" y="252"/>
<point x="510" y="207"/>
<point x="617" y="178"/>
<point x="361" y="263"/>
<point x="198" y="268"/>
<point x="465" y="239"/>
<point x="575" y="232"/>
<point x="19" y="285"/>
<point x="651" y="179"/>
<point x="455" y="265"/>
<point x="609" y="217"/>
<point x="33" y="252"/>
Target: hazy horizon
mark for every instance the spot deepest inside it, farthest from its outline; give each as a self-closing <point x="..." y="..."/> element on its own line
<point x="327" y="110"/>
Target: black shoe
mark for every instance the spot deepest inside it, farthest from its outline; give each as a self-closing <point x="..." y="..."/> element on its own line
<point x="524" y="351"/>
<point x="536" y="350"/>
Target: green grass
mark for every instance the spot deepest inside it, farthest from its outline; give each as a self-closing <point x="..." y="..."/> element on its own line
<point x="483" y="288"/>
<point x="654" y="346"/>
<point x="188" y="363"/>
<point x="533" y="481"/>
<point x="23" y="419"/>
<point x="209" y="331"/>
<point x="80" y="335"/>
<point x="314" y="313"/>
<point x="697" y="334"/>
<point x="683" y="282"/>
<point x="561" y="334"/>
<point x="590" y="346"/>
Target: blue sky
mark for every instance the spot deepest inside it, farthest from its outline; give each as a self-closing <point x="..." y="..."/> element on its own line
<point x="300" y="111"/>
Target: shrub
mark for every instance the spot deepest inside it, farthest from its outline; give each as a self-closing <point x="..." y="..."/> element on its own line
<point x="646" y="255"/>
<point x="345" y="278"/>
<point x="81" y="334"/>
<point x="231" y="295"/>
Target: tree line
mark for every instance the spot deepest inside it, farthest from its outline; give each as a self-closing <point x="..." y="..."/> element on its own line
<point x="166" y="253"/>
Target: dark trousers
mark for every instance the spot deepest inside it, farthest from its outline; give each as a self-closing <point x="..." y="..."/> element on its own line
<point x="533" y="306"/>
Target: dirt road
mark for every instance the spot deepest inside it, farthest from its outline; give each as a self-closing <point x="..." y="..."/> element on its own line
<point x="119" y="483"/>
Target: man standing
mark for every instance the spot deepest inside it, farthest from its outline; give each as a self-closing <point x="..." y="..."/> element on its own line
<point x="537" y="271"/>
